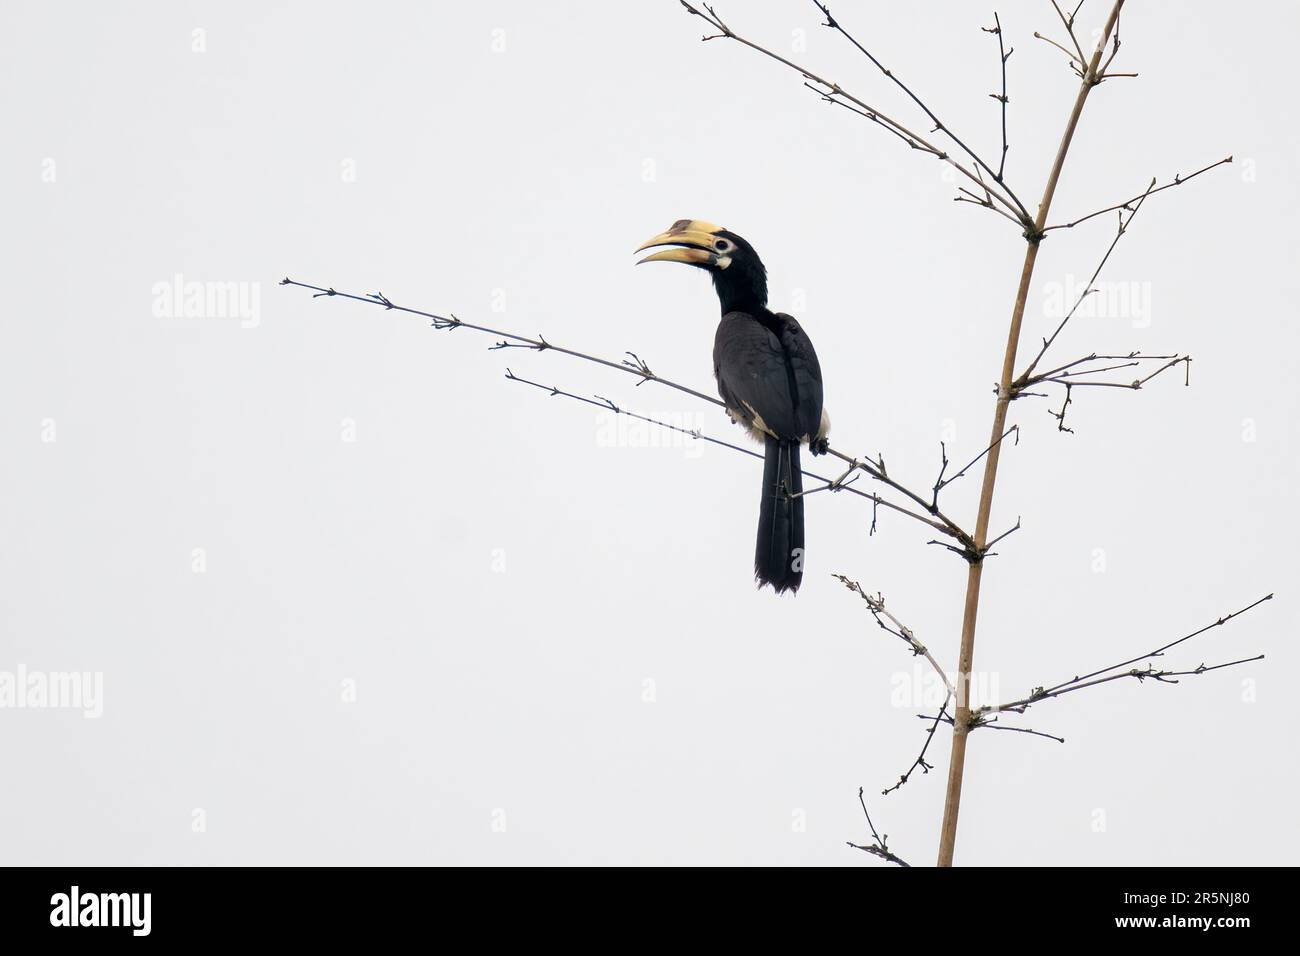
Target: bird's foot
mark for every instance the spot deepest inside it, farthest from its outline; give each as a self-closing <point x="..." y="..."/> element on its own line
<point x="819" y="446"/>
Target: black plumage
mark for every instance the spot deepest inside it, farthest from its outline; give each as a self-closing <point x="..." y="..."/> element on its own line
<point x="769" y="379"/>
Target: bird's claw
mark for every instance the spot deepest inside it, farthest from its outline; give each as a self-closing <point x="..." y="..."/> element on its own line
<point x="819" y="446"/>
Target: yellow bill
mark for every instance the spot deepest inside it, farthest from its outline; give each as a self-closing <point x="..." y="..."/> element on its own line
<point x="694" y="237"/>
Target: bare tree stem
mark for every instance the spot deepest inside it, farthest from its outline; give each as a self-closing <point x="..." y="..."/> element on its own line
<point x="970" y="613"/>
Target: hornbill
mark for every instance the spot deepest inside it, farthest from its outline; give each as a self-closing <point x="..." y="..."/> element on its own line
<point x="769" y="380"/>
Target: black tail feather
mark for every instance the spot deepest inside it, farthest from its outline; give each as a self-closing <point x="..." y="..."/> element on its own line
<point x="778" y="558"/>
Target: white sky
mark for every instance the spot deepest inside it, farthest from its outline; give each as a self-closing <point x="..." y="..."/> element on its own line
<point x="499" y="573"/>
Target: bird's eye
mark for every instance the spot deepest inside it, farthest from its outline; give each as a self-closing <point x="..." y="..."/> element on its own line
<point x="722" y="245"/>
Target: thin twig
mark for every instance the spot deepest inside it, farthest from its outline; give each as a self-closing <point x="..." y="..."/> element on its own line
<point x="1069" y="28"/>
<point x="1010" y="531"/>
<point x="944" y="483"/>
<point x="892" y="625"/>
<point x="538" y="344"/>
<point x="991" y="724"/>
<point x="978" y="722"/>
<point x="1131" y="358"/>
<point x="1137" y="383"/>
<point x="1074" y="63"/>
<point x="710" y="16"/>
<point x="879" y="845"/>
<point x="637" y="367"/>
<point x="1065" y="405"/>
<point x="939" y="125"/>
<point x="1024" y="380"/>
<point x="876" y="605"/>
<point x="920" y="762"/>
<point x="1116" y="671"/>
<point x="1003" y="55"/>
<point x="1141" y="674"/>
<point x="1128" y="203"/>
<point x="605" y="404"/>
<point x="941" y="520"/>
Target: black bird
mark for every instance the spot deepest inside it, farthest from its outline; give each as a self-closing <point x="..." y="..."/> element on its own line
<point x="768" y="378"/>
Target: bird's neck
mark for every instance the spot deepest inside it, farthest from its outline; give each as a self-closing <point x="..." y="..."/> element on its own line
<point x="741" y="293"/>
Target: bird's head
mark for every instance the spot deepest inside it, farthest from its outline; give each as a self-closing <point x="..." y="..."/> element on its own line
<point x="738" y="274"/>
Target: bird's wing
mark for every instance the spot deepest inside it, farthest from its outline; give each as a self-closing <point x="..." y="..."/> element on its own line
<point x="770" y="383"/>
<point x="807" y="372"/>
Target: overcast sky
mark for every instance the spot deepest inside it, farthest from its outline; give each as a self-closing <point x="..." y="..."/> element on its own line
<point x="354" y="597"/>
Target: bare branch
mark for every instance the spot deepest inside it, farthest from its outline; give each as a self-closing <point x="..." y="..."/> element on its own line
<point x="892" y="625"/>
<point x="636" y="366"/>
<point x="1065" y="405"/>
<point x="1004" y="534"/>
<point x="941" y="521"/>
<point x="879" y="845"/>
<point x="1024" y="380"/>
<point x="920" y="761"/>
<point x="831" y="89"/>
<point x="939" y="125"/>
<point x="1128" y="203"/>
<point x="876" y="605"/>
<point x="1069" y="28"/>
<point x="1116" y="671"/>
<point x="990" y="723"/>
<point x="1184" y="360"/>
<point x="1075" y="65"/>
<point x="537" y="344"/>
<point x="1003" y="55"/>
<point x="944" y="483"/>
<point x="1071" y="375"/>
<point x="599" y="401"/>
